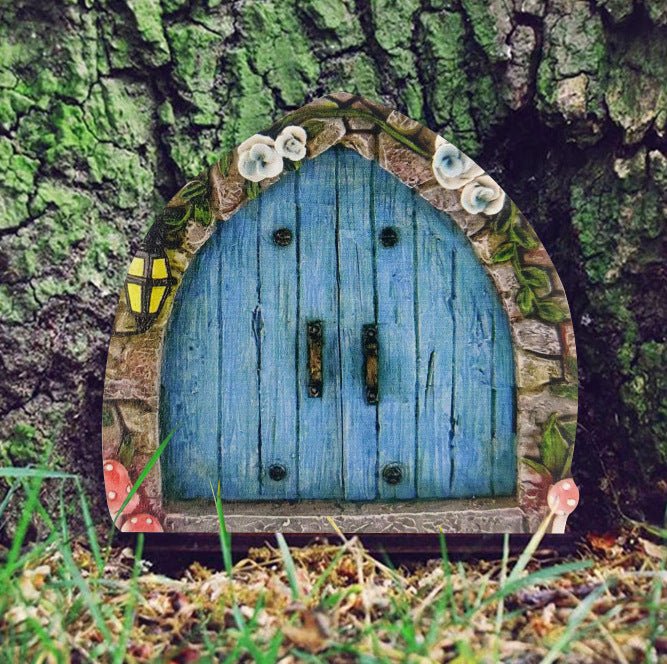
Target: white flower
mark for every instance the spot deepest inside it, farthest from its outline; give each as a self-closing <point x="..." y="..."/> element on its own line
<point x="452" y="168"/>
<point x="291" y="143"/>
<point x="258" y="158"/>
<point x="483" y="194"/>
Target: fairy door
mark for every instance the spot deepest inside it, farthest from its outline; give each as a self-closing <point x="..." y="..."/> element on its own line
<point x="338" y="339"/>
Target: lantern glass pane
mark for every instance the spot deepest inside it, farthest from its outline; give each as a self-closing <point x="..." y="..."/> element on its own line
<point x="159" y="268"/>
<point x="136" y="267"/>
<point x="134" y="297"/>
<point x="156" y="297"/>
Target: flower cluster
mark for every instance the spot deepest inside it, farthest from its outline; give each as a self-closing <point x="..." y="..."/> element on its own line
<point x="455" y="170"/>
<point x="261" y="157"/>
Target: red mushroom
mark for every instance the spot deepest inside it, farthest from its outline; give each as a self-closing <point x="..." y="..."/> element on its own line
<point x="118" y="486"/>
<point x="142" y="523"/>
<point x="563" y="498"/>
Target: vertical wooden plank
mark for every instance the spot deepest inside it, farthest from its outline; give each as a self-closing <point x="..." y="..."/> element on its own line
<point x="436" y="333"/>
<point x="189" y="382"/>
<point x="320" y="443"/>
<point x="393" y="205"/>
<point x="278" y="379"/>
<point x="472" y="441"/>
<point x="356" y="287"/>
<point x="503" y="477"/>
<point x="240" y="332"/>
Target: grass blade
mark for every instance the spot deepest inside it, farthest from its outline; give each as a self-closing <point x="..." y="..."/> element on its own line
<point x="576" y="618"/>
<point x="41" y="473"/>
<point x="131" y="606"/>
<point x="143" y="474"/>
<point x="288" y="563"/>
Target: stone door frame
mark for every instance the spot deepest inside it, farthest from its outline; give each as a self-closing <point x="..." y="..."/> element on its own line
<point x="543" y="340"/>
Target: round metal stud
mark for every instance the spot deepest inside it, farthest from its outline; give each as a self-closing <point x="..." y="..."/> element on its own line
<point x="392" y="473"/>
<point x="282" y="237"/>
<point x="277" y="472"/>
<point x="389" y="236"/>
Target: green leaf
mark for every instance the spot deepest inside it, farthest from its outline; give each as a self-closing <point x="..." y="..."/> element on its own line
<point x="503" y="253"/>
<point x="202" y="214"/>
<point x="565" y="390"/>
<point x="536" y="277"/>
<point x="536" y="466"/>
<point x="567" y="466"/>
<point x="252" y="190"/>
<point x="524" y="236"/>
<point x="553" y="447"/>
<point x="569" y="430"/>
<point x="126" y="450"/>
<point x="503" y="220"/>
<point x="550" y="312"/>
<point x="292" y="165"/>
<point x="313" y="127"/>
<point x="176" y="217"/>
<point x="192" y="190"/>
<point x="525" y="300"/>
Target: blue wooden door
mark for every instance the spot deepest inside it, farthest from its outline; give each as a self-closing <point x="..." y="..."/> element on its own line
<point x="365" y="250"/>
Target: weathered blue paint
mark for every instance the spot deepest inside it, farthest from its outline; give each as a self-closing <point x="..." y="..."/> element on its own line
<point x="278" y="295"/>
<point x="393" y="205"/>
<point x="234" y="373"/>
<point x="190" y="388"/>
<point x="320" y="431"/>
<point x="436" y="245"/>
<point x="356" y="307"/>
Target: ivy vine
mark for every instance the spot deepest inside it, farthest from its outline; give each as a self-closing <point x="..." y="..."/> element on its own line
<point x="534" y="282"/>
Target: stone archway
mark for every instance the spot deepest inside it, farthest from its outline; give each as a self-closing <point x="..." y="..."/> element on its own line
<point x="524" y="276"/>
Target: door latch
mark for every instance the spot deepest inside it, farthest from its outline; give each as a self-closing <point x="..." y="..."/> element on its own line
<point x="370" y="345"/>
<point x="315" y="335"/>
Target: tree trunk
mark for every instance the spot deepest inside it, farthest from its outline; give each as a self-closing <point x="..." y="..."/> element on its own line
<point x="106" y="108"/>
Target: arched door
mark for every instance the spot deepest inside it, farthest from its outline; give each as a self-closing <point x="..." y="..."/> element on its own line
<point x="358" y="254"/>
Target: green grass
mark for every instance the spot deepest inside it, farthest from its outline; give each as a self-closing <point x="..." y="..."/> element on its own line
<point x="82" y="598"/>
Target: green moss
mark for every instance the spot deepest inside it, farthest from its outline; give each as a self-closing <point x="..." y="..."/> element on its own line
<point x="393" y="22"/>
<point x="447" y="86"/>
<point x="279" y="49"/>
<point x="636" y="93"/>
<point x="119" y="112"/>
<point x="616" y="214"/>
<point x="645" y="393"/>
<point x="23" y="447"/>
<point x="148" y="17"/>
<point x="17" y="179"/>
<point x="356" y="74"/>
<point x="485" y="18"/>
<point x="133" y="181"/>
<point x="58" y="136"/>
<point x="218" y="19"/>
<point x="571" y="70"/>
<point x="195" y="56"/>
<point x="170" y="6"/>
<point x="336" y="17"/>
<point x="251" y="108"/>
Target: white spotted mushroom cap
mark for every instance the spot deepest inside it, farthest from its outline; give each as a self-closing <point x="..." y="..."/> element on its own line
<point x="142" y="523"/>
<point x="563" y="497"/>
<point x="117" y="486"/>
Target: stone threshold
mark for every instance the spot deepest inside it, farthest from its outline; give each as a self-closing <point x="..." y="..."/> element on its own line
<point x="484" y="515"/>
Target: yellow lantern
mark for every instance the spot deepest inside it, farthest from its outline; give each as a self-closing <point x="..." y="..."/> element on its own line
<point x="146" y="286"/>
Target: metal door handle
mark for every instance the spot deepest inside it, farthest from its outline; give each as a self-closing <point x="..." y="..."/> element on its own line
<point x="371" y="349"/>
<point x="315" y="336"/>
